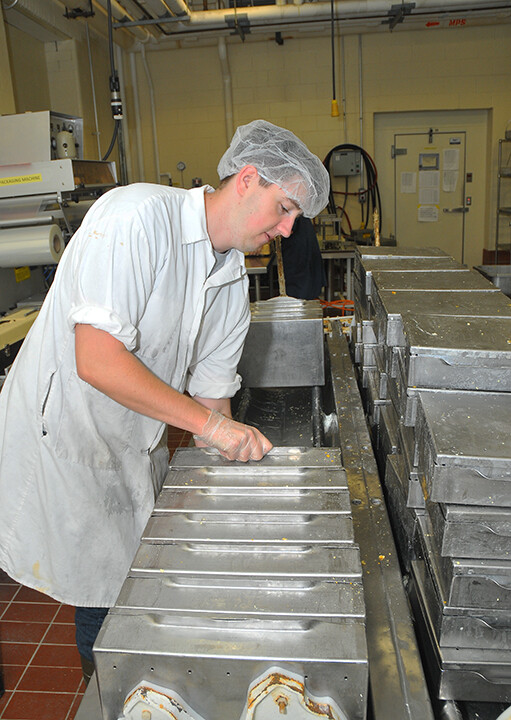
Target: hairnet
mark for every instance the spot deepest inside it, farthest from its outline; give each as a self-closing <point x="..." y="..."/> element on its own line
<point x="281" y="158"/>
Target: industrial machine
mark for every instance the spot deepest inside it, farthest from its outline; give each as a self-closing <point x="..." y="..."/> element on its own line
<point x="46" y="187"/>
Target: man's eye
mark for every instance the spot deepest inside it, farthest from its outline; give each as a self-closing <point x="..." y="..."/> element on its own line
<point x="285" y="209"/>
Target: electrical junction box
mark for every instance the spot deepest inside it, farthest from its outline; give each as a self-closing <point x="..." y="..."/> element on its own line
<point x="346" y="162"/>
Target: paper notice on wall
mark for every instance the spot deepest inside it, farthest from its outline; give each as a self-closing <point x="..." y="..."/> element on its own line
<point x="408" y="182"/>
<point x="429" y="187"/>
<point x="450" y="180"/>
<point x="427" y="213"/>
<point x="451" y="159"/>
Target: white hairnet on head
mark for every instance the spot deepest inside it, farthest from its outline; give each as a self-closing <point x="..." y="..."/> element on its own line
<point x="281" y="158"/>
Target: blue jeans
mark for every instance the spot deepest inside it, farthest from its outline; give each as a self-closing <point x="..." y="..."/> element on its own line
<point x="88" y="623"/>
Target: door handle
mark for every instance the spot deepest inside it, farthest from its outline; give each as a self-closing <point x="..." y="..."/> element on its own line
<point x="457" y="210"/>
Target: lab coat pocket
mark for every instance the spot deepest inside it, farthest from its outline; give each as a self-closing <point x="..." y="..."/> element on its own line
<point x="46" y="396"/>
<point x="89" y="426"/>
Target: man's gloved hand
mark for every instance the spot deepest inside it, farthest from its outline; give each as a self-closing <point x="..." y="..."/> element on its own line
<point x="234" y="440"/>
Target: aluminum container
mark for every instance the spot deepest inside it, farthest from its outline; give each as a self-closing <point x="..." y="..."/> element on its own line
<point x="284" y="346"/>
<point x="456" y="672"/>
<point x="367" y="332"/>
<point x="468" y="531"/>
<point x="242" y="568"/>
<point x="269" y="529"/>
<point x="336" y="601"/>
<point x="462" y="628"/>
<point x="387" y="438"/>
<point x="453" y="280"/>
<point x="462" y="620"/>
<point x="211" y="661"/>
<point x="394" y="253"/>
<point x="463" y="447"/>
<point x="499" y="275"/>
<point x="390" y="307"/>
<point x="404" y="518"/>
<point x="403" y="265"/>
<point x="335" y="562"/>
<point x="290" y="461"/>
<point x="271" y="478"/>
<point x="243" y="505"/>
<point x="479" y="587"/>
<point x="457" y="353"/>
<point x="397" y="471"/>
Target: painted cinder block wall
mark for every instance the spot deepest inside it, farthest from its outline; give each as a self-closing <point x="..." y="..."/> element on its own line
<point x="446" y="68"/>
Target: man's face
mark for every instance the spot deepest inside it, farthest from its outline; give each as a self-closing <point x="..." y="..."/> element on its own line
<point x="266" y="211"/>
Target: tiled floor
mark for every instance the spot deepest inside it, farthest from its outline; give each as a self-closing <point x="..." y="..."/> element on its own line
<point x="38" y="657"/>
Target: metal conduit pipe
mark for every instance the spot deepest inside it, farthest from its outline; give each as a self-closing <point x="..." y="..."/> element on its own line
<point x="343" y="88"/>
<point x="136" y="106"/>
<point x="361" y="105"/>
<point x="178" y="7"/>
<point x="226" y="77"/>
<point x="93" y="88"/>
<point x="119" y="13"/>
<point x="153" y="114"/>
<point x="124" y="148"/>
<point x="350" y="10"/>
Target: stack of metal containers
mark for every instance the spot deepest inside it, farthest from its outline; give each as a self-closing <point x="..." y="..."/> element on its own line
<point x="247" y="577"/>
<point x="432" y="341"/>
<point x="245" y="597"/>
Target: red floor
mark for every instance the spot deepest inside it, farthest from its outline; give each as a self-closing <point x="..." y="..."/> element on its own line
<point x="38" y="657"/>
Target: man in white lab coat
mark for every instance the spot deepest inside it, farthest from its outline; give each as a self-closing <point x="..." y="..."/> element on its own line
<point x="149" y="301"/>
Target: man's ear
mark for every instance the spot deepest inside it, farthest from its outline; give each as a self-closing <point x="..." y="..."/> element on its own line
<point x="246" y="177"/>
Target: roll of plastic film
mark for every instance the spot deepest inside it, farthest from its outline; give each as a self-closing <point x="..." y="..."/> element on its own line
<point x="31" y="245"/>
<point x="66" y="147"/>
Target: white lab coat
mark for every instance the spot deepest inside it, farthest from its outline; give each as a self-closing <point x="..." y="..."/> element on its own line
<point x="79" y="473"/>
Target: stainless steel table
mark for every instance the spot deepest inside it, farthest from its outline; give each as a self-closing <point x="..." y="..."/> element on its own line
<point x="257" y="265"/>
<point x="346" y="253"/>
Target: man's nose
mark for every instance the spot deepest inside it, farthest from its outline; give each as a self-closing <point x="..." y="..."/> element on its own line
<point x="285" y="226"/>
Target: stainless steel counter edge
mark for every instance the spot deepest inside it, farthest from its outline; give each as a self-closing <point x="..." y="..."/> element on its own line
<point x="397" y="683"/>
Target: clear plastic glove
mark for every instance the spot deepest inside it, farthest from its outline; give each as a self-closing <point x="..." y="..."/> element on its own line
<point x="232" y="439"/>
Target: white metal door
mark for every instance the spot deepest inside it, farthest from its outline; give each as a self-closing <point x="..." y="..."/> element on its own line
<point x="429" y="190"/>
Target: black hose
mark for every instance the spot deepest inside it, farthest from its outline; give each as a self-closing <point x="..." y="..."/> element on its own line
<point x="332" y="34"/>
<point x="373" y="199"/>
<point x="112" y="141"/>
<point x="110" y="38"/>
<point x="114" y="80"/>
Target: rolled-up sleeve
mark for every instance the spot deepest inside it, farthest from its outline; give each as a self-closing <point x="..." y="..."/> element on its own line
<point x="116" y="274"/>
<point x="107" y="320"/>
<point x="220" y="344"/>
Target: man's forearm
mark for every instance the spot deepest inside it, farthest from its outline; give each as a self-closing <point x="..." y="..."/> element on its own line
<point x="107" y="365"/>
<point x="223" y="405"/>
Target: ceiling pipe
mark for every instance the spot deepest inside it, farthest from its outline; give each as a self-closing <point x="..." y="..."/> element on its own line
<point x="50" y="17"/>
<point x="178" y="7"/>
<point x="163" y="8"/>
<point x="357" y="10"/>
<point x="319" y="28"/>
<point x="226" y="77"/>
<point x="249" y="18"/>
<point x="125" y="20"/>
